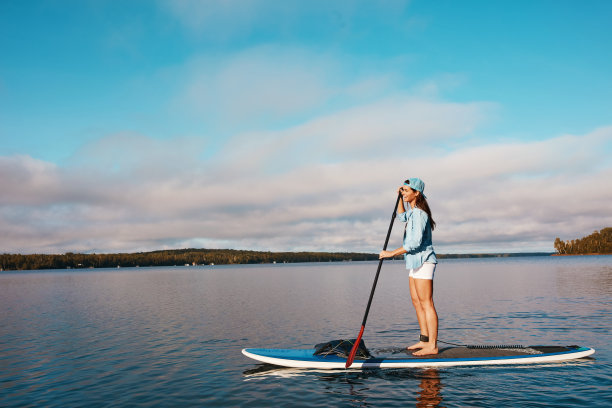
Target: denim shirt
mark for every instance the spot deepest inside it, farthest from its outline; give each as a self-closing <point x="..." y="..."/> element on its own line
<point x="417" y="238"/>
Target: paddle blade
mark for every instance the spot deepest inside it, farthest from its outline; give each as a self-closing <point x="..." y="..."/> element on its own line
<point x="351" y="357"/>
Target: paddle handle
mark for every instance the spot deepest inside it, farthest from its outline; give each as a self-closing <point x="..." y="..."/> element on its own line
<point x="351" y="356"/>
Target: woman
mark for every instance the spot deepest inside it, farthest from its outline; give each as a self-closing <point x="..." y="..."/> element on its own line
<point x="420" y="260"/>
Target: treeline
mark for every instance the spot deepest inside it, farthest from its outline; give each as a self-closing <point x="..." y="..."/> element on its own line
<point x="178" y="257"/>
<point x="171" y="258"/>
<point x="493" y="255"/>
<point x="599" y="242"/>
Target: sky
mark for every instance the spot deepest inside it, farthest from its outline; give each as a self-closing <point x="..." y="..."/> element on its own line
<point x="288" y="126"/>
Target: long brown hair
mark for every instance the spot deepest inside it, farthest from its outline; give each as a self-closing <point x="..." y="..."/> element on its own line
<point x="421" y="202"/>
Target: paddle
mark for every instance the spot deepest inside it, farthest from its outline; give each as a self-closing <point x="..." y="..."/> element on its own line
<point x="351" y="356"/>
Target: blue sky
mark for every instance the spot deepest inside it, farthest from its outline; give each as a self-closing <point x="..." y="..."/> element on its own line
<point x="270" y="125"/>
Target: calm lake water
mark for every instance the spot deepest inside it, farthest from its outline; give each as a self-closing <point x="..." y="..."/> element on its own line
<point x="171" y="337"/>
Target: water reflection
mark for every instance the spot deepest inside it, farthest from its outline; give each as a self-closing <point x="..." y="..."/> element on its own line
<point x="429" y="393"/>
<point x="431" y="387"/>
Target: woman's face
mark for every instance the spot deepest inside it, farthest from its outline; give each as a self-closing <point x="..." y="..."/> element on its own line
<point x="409" y="194"/>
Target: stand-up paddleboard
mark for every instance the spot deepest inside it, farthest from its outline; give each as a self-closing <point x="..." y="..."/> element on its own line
<point x="451" y="356"/>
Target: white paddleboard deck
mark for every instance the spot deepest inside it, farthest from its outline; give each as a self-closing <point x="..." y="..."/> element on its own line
<point x="447" y="357"/>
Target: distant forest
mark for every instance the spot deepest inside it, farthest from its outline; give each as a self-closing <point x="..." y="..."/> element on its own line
<point x="171" y="258"/>
<point x="599" y="242"/>
<point x="194" y="257"/>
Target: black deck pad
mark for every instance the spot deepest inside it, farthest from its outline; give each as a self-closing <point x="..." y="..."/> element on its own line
<point x="553" y="349"/>
<point x="465" y="352"/>
<point x="469" y="352"/>
<point x="342" y="348"/>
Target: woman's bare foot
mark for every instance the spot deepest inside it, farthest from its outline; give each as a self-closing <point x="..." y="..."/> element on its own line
<point x="428" y="349"/>
<point x="417" y="346"/>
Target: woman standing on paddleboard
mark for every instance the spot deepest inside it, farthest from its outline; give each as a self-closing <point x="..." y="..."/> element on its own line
<point x="420" y="260"/>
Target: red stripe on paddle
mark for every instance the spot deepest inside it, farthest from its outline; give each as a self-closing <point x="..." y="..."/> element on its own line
<point x="351" y="357"/>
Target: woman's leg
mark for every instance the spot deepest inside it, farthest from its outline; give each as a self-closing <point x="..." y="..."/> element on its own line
<point x="424" y="291"/>
<point x="420" y="312"/>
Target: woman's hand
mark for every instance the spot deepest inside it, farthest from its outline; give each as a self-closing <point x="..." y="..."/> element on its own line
<point x="386" y="254"/>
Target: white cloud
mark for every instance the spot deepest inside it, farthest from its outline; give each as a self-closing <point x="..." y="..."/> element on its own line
<point x="25" y="180"/>
<point x="309" y="187"/>
<point x="391" y="128"/>
<point x="258" y="84"/>
<point x="525" y="192"/>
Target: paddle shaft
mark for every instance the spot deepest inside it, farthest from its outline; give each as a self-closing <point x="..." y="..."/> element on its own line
<point x="351" y="357"/>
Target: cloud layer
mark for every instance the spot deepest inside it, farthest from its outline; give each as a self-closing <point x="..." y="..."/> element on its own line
<point x="327" y="183"/>
<point x="299" y="151"/>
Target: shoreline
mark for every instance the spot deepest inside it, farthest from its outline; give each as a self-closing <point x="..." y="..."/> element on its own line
<point x="202" y="257"/>
<point x="589" y="254"/>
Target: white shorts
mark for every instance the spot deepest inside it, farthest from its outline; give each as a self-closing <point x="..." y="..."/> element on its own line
<point x="425" y="271"/>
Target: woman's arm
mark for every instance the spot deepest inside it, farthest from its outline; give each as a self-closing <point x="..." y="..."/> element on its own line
<point x="400" y="211"/>
<point x="400" y="203"/>
<point x="391" y="254"/>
